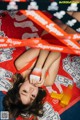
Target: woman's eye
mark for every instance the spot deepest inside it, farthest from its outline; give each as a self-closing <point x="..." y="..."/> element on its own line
<point x="25" y="91"/>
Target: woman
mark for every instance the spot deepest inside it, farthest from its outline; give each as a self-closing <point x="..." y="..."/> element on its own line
<point x="35" y="68"/>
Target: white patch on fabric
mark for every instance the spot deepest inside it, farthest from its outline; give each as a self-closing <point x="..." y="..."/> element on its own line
<point x="78" y="29"/>
<point x="71" y="22"/>
<point x="17" y="17"/>
<point x="5" y="57"/>
<point x="72" y="7"/>
<point x="59" y="14"/>
<point x="49" y="113"/>
<point x="33" y="6"/>
<point x="26" y="24"/>
<point x="29" y="35"/>
<point x="53" y="6"/>
<point x="63" y="80"/>
<point x="5" y="85"/>
<point x="5" y="73"/>
<point x="72" y="66"/>
<point x="50" y="89"/>
<point x="6" y="54"/>
<point x="12" y="6"/>
<point x="5" y="76"/>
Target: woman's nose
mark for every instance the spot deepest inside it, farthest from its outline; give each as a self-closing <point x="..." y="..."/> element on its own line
<point x="31" y="89"/>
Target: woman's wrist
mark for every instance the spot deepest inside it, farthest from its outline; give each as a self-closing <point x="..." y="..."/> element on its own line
<point x="36" y="74"/>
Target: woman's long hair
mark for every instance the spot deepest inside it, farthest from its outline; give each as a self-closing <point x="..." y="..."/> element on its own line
<point x="13" y="104"/>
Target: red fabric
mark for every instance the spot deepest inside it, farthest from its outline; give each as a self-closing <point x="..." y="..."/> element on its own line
<point x="75" y="91"/>
<point x="19" y="118"/>
<point x="51" y="39"/>
<point x="47" y="14"/>
<point x="11" y="31"/>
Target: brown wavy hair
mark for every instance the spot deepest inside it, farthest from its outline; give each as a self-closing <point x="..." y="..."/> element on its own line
<point x="13" y="104"/>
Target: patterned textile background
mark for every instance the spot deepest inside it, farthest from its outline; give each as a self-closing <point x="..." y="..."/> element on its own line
<point x="13" y="25"/>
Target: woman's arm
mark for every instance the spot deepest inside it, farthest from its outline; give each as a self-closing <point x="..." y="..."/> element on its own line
<point x="42" y="58"/>
<point x="51" y="65"/>
<point x="38" y="67"/>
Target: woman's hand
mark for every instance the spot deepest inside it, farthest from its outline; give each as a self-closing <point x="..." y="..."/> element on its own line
<point x="38" y="78"/>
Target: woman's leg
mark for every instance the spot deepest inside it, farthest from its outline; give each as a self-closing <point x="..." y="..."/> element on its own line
<point x="66" y="28"/>
<point x="76" y="15"/>
<point x="52" y="72"/>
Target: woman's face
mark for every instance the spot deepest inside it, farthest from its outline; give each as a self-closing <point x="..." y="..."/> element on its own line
<point x="28" y="92"/>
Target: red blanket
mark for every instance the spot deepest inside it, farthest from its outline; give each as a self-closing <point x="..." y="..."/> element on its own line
<point x="69" y="66"/>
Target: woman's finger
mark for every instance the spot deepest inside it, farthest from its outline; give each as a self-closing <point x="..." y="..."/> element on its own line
<point x="31" y="80"/>
<point x="40" y="83"/>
